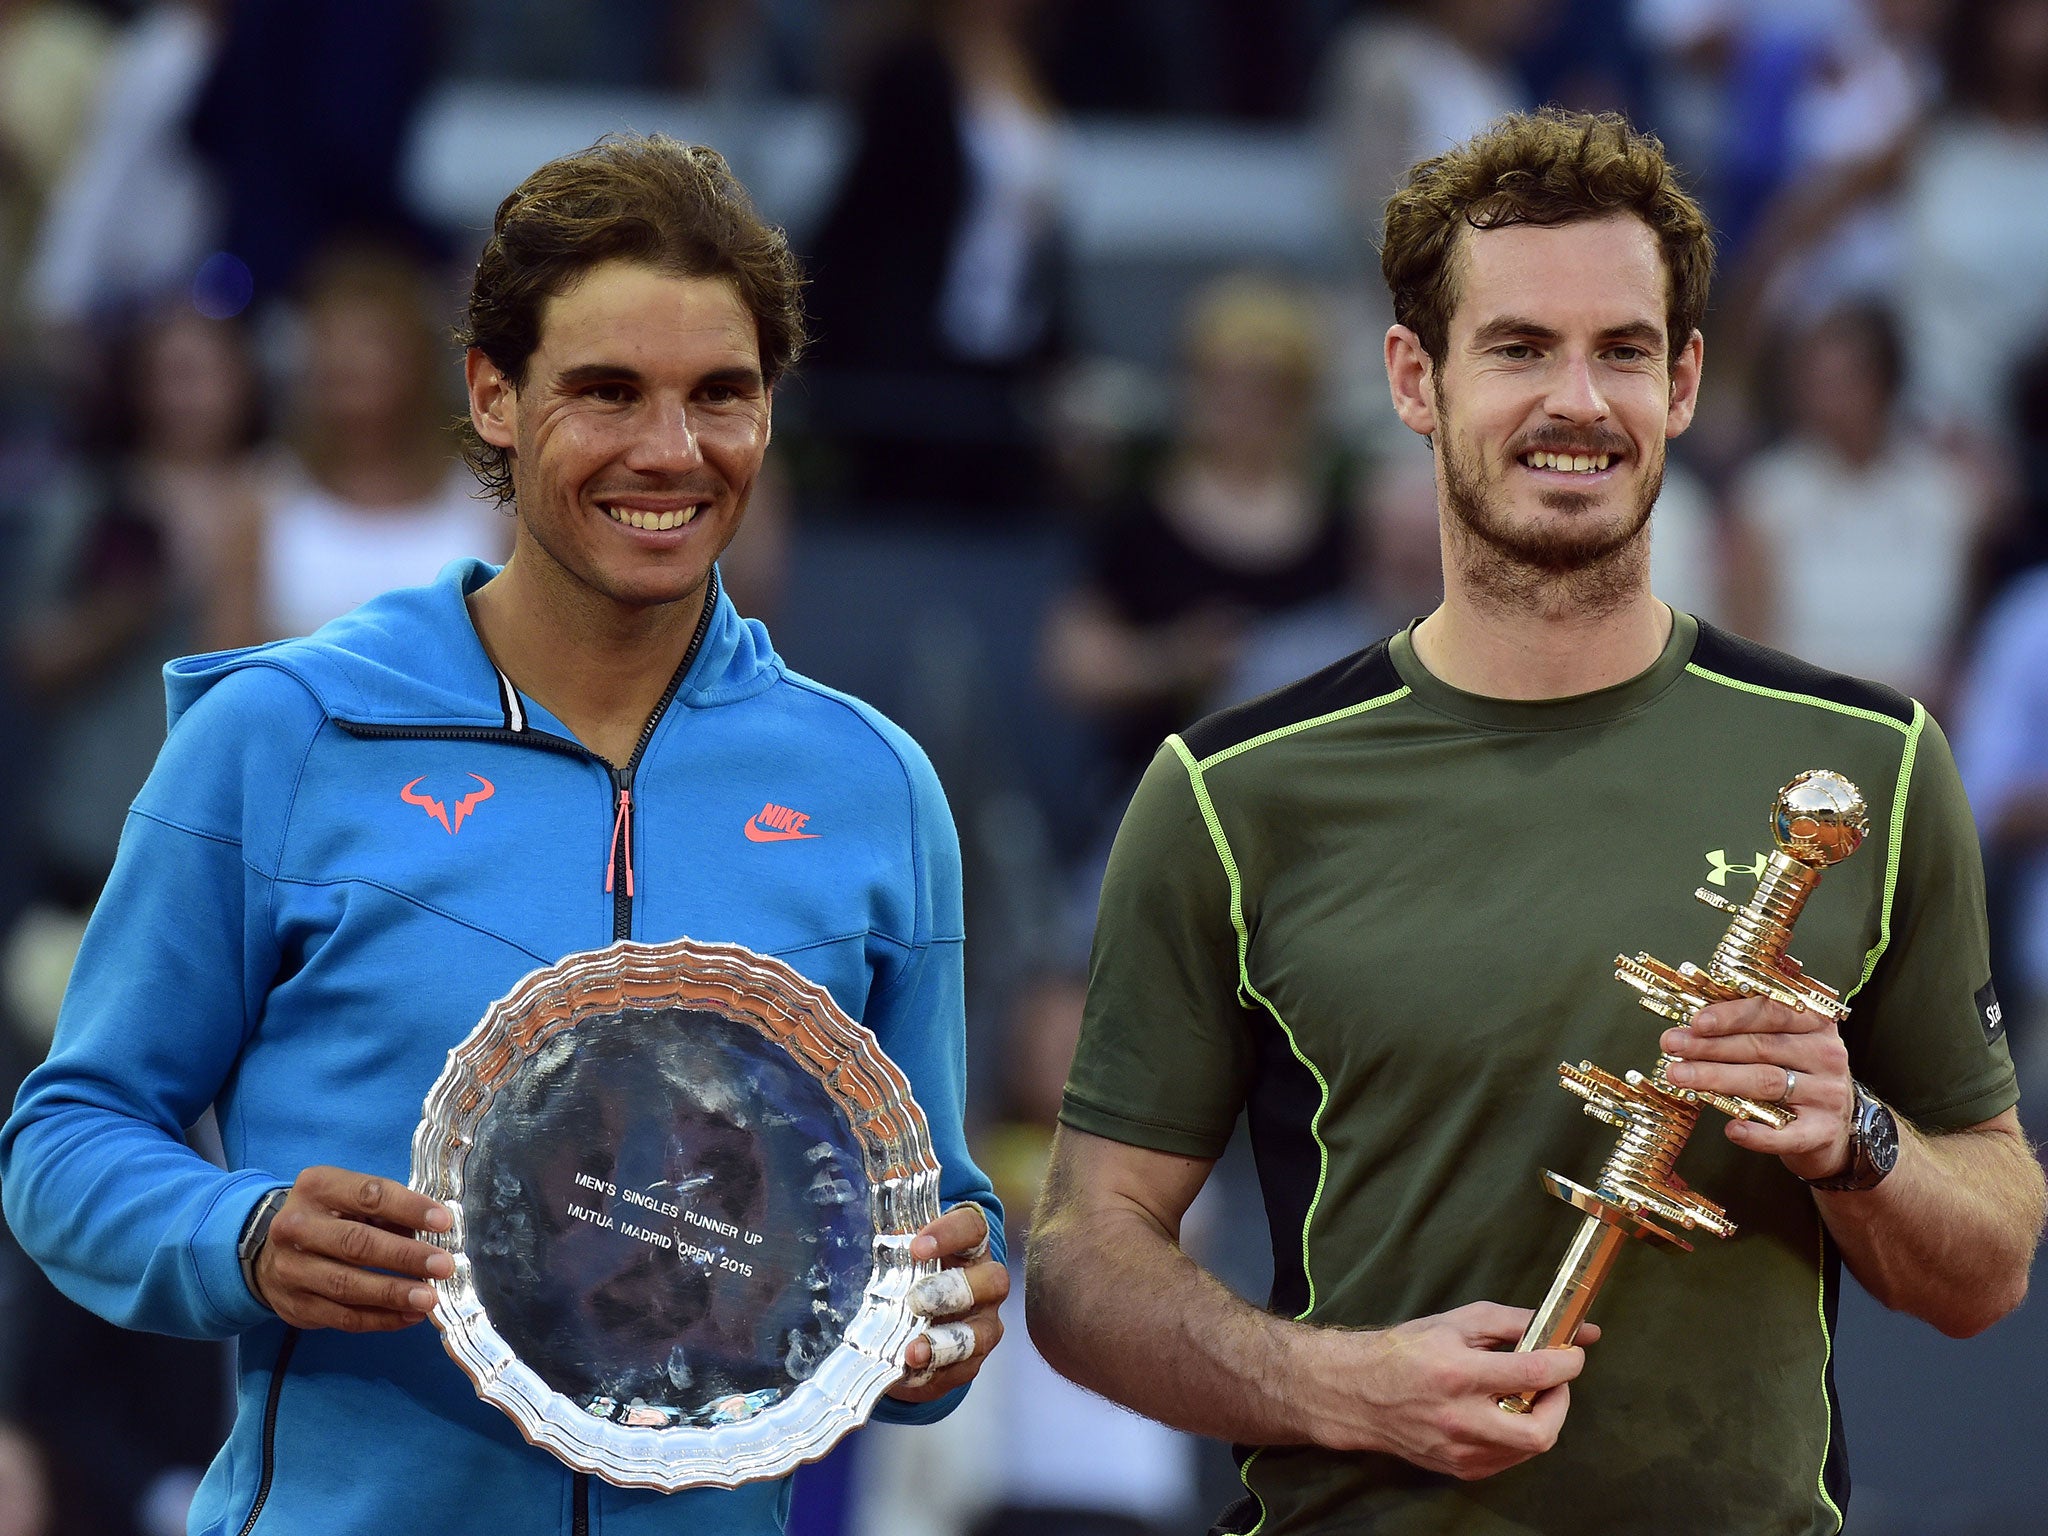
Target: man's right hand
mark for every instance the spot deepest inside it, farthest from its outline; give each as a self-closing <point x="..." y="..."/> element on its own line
<point x="1116" y="1304"/>
<point x="331" y="1238"/>
<point x="1428" y="1391"/>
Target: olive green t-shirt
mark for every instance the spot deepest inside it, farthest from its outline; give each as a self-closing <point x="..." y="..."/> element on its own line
<point x="1373" y="914"/>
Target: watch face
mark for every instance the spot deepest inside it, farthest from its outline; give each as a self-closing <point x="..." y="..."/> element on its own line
<point x="1880" y="1137"/>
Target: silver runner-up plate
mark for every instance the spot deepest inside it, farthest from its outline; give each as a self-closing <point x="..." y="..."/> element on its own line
<point x="684" y="1186"/>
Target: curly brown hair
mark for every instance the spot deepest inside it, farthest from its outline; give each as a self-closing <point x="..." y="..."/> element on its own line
<point x="1545" y="168"/>
<point x="648" y="199"/>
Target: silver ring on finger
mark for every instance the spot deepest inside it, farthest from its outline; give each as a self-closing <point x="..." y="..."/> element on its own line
<point x="1791" y="1082"/>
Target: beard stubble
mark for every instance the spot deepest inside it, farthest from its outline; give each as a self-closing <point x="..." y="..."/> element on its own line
<point x="1566" y="566"/>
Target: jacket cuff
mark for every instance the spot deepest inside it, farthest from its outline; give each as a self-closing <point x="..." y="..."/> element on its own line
<point x="890" y="1410"/>
<point x="215" y="1259"/>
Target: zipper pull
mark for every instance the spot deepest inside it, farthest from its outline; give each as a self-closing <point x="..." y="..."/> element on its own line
<point x="622" y="832"/>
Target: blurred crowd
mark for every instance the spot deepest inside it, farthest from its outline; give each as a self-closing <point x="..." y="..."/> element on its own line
<point x="1040" y="528"/>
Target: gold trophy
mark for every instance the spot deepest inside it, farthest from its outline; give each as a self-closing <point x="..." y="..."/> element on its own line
<point x="1819" y="819"/>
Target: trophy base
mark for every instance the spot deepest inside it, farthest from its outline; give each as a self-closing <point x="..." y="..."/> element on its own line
<point x="1594" y="1204"/>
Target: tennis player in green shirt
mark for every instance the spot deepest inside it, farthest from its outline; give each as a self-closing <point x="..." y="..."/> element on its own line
<point x="1371" y="912"/>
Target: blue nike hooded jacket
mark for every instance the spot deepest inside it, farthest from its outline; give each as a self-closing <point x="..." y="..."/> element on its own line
<point x="350" y="845"/>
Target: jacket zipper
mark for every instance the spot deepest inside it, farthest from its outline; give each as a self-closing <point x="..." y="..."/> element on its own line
<point x="622" y="832"/>
<point x="622" y="780"/>
<point x="620" y="886"/>
<point x="284" y="1358"/>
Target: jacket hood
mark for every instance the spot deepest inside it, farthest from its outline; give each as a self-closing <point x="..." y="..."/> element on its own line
<point x="412" y="658"/>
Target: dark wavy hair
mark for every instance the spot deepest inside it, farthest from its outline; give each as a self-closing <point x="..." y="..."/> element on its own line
<point x="648" y="199"/>
<point x="1545" y="168"/>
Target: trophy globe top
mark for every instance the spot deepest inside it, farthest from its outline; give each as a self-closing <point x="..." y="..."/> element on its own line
<point x="1820" y="818"/>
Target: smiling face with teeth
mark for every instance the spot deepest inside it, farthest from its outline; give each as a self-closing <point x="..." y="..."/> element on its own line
<point x="635" y="436"/>
<point x="1553" y="402"/>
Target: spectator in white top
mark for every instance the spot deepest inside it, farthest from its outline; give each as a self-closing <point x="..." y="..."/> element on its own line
<point x="1856" y="531"/>
<point x="51" y="53"/>
<point x="372" y="496"/>
<point x="1401" y="82"/>
<point x="133" y="214"/>
<point x="1975" y="295"/>
<point x="1836" y="230"/>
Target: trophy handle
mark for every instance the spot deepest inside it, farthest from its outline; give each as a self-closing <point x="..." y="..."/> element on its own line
<point x="1586" y="1265"/>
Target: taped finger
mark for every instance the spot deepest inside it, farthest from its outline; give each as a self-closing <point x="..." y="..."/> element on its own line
<point x="951" y="1343"/>
<point x="980" y="1250"/>
<point x="942" y="1294"/>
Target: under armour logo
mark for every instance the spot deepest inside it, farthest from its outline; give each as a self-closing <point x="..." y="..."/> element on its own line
<point x="1722" y="869"/>
<point x="438" y="811"/>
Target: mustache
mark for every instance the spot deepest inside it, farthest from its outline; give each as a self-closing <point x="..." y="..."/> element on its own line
<point x="693" y="487"/>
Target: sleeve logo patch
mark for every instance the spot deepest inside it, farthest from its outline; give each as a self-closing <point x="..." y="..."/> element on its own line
<point x="1990" y="1014"/>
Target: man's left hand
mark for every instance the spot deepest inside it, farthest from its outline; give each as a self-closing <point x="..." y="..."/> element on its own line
<point x="961" y="1301"/>
<point x="1755" y="1048"/>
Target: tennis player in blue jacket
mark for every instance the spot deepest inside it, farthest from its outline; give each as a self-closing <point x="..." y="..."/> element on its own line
<point x="353" y="843"/>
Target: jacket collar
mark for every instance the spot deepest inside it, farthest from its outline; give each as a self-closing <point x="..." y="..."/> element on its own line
<point x="412" y="658"/>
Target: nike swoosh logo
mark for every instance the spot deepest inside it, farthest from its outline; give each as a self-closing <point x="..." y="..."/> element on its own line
<point x="756" y="833"/>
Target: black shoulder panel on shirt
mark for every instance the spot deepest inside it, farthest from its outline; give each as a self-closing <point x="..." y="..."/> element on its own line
<point x="1834" y="1470"/>
<point x="1363" y="675"/>
<point x="1747" y="662"/>
<point x="1280" y="1112"/>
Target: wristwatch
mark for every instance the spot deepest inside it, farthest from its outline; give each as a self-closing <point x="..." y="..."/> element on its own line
<point x="256" y="1232"/>
<point x="1873" y="1145"/>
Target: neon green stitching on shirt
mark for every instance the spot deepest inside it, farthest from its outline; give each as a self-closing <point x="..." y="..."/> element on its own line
<point x="1288" y="730"/>
<point x="1804" y="698"/>
<point x="1827" y="1353"/>
<point x="1898" y="839"/>
<point x="1245" y="987"/>
<point x="1244" y="1475"/>
<point x="1244" y="981"/>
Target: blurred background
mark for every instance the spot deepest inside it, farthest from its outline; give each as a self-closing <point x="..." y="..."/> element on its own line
<point x="1095" y="438"/>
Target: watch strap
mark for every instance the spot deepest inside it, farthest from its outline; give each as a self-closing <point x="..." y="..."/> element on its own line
<point x="1863" y="1170"/>
<point x="256" y="1232"/>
